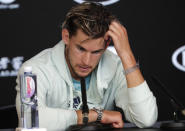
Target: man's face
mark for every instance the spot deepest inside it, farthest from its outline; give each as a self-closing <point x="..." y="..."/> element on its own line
<point x="83" y="54"/>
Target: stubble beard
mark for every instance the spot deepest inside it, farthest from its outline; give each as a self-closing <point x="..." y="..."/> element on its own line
<point x="74" y="74"/>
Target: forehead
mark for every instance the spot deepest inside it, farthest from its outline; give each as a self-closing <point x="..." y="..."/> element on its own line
<point x="83" y="40"/>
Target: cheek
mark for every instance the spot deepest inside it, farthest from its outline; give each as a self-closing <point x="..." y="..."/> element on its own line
<point x="74" y="56"/>
<point x="96" y="59"/>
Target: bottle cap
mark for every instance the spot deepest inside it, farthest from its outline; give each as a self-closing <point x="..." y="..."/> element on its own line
<point x="28" y="69"/>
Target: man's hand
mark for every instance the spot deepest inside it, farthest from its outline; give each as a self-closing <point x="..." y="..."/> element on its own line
<point x="119" y="36"/>
<point x="109" y="117"/>
<point x="112" y="117"/>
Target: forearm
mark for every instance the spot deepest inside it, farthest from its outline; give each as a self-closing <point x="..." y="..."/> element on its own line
<point x="139" y="105"/>
<point x="108" y="117"/>
<point x="50" y="118"/>
<point x="119" y="36"/>
<point x="135" y="77"/>
<point x="142" y="109"/>
<point x="56" y="118"/>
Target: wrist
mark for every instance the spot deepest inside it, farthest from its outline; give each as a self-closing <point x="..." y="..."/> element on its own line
<point x="99" y="112"/>
<point x="83" y="118"/>
<point x="79" y="116"/>
<point x="93" y="115"/>
<point x="131" y="69"/>
<point x="128" y="60"/>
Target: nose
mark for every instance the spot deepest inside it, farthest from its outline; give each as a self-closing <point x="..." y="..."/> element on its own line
<point x="86" y="58"/>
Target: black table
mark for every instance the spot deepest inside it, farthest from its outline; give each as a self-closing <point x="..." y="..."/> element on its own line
<point x="128" y="127"/>
<point x="124" y="129"/>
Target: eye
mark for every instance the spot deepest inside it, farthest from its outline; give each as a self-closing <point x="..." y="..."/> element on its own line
<point x="80" y="48"/>
<point x="96" y="52"/>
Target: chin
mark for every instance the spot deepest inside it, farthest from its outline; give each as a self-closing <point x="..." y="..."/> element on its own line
<point x="83" y="74"/>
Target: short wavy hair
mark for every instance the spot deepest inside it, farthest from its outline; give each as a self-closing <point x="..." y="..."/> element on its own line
<point x="91" y="17"/>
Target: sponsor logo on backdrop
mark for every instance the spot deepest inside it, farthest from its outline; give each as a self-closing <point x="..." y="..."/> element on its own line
<point x="8" y="4"/>
<point x="103" y="2"/>
<point x="9" y="67"/>
<point x="178" y="58"/>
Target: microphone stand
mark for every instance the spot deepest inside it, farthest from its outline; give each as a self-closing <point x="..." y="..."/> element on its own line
<point x="177" y="107"/>
<point x="92" y="126"/>
<point x="85" y="108"/>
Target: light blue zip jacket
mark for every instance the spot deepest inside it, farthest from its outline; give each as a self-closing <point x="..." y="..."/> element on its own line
<point x="107" y="87"/>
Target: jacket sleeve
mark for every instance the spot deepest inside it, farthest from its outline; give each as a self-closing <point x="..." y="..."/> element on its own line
<point x="51" y="118"/>
<point x="138" y="103"/>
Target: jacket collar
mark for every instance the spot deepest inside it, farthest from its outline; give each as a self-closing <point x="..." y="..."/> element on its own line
<point x="105" y="70"/>
<point x="58" y="57"/>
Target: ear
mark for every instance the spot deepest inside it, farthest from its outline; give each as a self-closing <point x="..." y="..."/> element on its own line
<point x="107" y="42"/>
<point x="65" y="36"/>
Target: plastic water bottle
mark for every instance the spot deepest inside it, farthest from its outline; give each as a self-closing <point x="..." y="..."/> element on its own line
<point x="28" y="95"/>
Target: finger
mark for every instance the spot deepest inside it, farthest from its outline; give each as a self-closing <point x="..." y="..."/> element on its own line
<point x="121" y="32"/>
<point x="122" y="124"/>
<point x="107" y="42"/>
<point x="124" y="30"/>
<point x="120" y="27"/>
<point x="112" y="35"/>
<point x="117" y="21"/>
<point x="106" y="36"/>
<point x="117" y="125"/>
<point x="117" y="25"/>
<point x="116" y="30"/>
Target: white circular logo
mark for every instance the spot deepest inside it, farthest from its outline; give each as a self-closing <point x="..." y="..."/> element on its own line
<point x="175" y="58"/>
<point x="7" y="1"/>
<point x="103" y="2"/>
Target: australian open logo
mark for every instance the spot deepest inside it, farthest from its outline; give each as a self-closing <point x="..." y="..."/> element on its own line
<point x="8" y="4"/>
<point x="9" y="66"/>
<point x="178" y="58"/>
<point x="103" y="2"/>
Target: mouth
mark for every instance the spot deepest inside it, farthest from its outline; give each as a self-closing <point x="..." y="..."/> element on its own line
<point x="84" y="68"/>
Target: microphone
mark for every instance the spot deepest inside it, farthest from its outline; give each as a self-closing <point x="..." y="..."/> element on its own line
<point x="176" y="104"/>
<point x="85" y="108"/>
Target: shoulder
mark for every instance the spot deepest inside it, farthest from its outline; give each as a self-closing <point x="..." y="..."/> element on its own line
<point x="42" y="62"/>
<point x="42" y="58"/>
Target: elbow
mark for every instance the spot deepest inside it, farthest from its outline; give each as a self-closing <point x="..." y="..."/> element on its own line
<point x="147" y="123"/>
<point x="149" y="120"/>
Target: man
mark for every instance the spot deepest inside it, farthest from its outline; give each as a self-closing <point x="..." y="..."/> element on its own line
<point x="110" y="79"/>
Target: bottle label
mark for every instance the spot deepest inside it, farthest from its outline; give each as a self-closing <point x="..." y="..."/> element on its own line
<point x="30" y="86"/>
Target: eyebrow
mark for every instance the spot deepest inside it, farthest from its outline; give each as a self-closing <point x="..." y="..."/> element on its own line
<point x="99" y="50"/>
